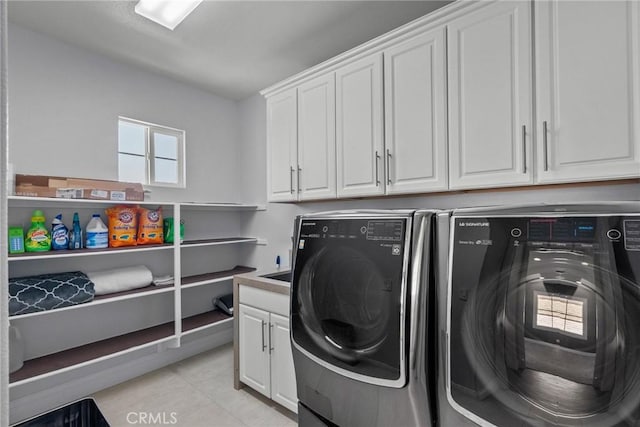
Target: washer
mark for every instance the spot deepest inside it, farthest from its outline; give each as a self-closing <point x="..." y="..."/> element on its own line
<point x="360" y="307"/>
<point x="540" y="327"/>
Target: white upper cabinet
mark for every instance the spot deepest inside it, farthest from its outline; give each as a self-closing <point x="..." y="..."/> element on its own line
<point x="316" y="139"/>
<point x="490" y="96"/>
<point x="588" y="90"/>
<point x="359" y="129"/>
<point x="415" y="115"/>
<point x="282" y="146"/>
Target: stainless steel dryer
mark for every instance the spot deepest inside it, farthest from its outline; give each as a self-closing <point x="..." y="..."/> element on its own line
<point x="360" y="307"/>
<point x="540" y="316"/>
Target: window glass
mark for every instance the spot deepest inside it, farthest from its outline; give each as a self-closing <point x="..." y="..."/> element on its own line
<point x="131" y="138"/>
<point x="166" y="146"/>
<point x="131" y="168"/>
<point x="166" y="171"/>
<point x="150" y="154"/>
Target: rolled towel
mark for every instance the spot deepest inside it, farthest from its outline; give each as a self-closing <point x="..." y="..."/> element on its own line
<point x="120" y="279"/>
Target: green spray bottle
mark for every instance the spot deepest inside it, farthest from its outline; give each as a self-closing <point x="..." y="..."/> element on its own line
<point x="38" y="238"/>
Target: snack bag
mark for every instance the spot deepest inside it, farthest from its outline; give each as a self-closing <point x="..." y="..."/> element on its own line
<point x="150" y="226"/>
<point x="169" y="230"/>
<point x="123" y="225"/>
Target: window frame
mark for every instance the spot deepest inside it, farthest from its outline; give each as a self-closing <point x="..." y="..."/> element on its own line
<point x="150" y="129"/>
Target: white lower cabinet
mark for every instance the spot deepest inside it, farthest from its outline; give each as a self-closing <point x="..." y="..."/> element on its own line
<point x="266" y="361"/>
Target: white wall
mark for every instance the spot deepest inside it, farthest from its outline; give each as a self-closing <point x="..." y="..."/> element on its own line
<point x="64" y="104"/>
<point x="276" y="224"/>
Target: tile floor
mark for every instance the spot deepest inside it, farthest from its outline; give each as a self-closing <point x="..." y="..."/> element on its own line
<point x="196" y="392"/>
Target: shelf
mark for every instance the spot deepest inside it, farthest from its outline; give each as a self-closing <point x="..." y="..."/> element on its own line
<point x="141" y="248"/>
<point x="103" y="299"/>
<point x="218" y="276"/>
<point x="31" y="202"/>
<point x="41" y="202"/>
<point x="187" y="282"/>
<point x="111" y="346"/>
<point x="203" y="321"/>
<point x="221" y="206"/>
<point x="85" y="353"/>
<point x="87" y="252"/>
<point x="214" y="242"/>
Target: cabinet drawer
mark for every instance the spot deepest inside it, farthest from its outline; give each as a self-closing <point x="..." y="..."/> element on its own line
<point x="265" y="300"/>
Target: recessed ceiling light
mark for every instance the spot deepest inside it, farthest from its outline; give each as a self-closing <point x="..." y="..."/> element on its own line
<point x="168" y="13"/>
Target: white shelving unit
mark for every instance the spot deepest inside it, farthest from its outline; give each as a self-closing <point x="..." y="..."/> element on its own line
<point x="112" y="325"/>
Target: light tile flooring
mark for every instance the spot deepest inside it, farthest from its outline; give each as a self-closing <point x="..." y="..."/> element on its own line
<point x="196" y="392"/>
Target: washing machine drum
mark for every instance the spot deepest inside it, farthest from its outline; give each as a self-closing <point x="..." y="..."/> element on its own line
<point x="344" y="303"/>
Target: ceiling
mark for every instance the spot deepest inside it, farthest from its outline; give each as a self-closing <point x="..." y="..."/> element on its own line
<point x="230" y="48"/>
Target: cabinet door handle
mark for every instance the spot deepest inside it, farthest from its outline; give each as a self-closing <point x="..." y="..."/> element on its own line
<point x="545" y="145"/>
<point x="377" y="162"/>
<point x="524" y="148"/>
<point x="291" y="177"/>
<point x="262" y="323"/>
<point x="270" y="339"/>
<point x="388" y="167"/>
<point x="299" y="181"/>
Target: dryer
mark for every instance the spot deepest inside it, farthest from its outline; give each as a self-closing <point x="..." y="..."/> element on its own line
<point x="540" y="316"/>
<point x="360" y="309"/>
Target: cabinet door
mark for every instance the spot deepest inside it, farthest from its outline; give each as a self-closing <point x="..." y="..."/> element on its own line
<point x="254" y="349"/>
<point x="415" y="114"/>
<point x="359" y="128"/>
<point x="588" y="70"/>
<point x="490" y="96"/>
<point x="283" y="377"/>
<point x="282" y="146"/>
<point x="317" y="138"/>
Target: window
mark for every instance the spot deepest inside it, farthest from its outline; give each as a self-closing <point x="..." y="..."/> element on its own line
<point x="560" y="313"/>
<point x="150" y="154"/>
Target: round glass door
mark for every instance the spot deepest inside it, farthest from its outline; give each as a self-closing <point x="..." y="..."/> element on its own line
<point x="347" y="315"/>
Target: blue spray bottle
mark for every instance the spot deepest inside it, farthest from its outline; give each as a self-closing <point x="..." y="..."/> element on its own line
<point x="75" y="236"/>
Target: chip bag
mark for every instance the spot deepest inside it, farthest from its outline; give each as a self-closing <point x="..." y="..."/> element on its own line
<point x="150" y="230"/>
<point x="170" y="231"/>
<point x="123" y="225"/>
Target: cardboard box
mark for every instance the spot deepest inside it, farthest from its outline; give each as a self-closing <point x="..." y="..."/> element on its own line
<point x="77" y="188"/>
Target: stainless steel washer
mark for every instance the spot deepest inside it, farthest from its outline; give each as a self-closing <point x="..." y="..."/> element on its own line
<point x="361" y="302"/>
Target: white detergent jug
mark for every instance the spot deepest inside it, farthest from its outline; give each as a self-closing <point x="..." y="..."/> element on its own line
<point x="97" y="233"/>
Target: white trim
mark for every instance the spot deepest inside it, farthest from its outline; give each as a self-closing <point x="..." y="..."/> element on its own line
<point x="437" y="17"/>
<point x="4" y="154"/>
<point x="150" y="129"/>
<point x="186" y="243"/>
<point x="207" y="282"/>
<point x="86" y="252"/>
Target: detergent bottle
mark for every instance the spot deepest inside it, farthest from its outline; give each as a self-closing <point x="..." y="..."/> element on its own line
<point x="59" y="234"/>
<point x="97" y="233"/>
<point x="38" y="238"/>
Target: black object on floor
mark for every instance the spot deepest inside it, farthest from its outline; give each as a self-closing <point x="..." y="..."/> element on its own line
<point x="83" y="413"/>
